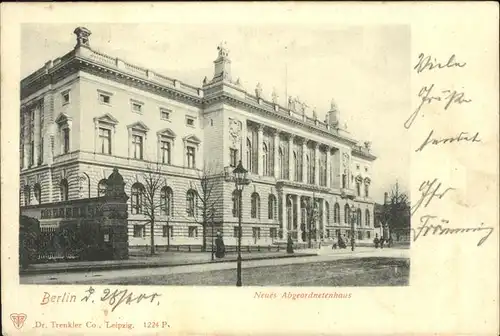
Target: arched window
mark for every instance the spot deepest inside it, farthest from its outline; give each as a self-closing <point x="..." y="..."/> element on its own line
<point x="101" y="188"/>
<point x="166" y="201"/>
<point x="358" y="217"/>
<point x="336" y="213"/>
<point x="281" y="162"/>
<point x="27" y="195"/>
<point x="367" y="217"/>
<point x="271" y="207"/>
<point x="347" y="214"/>
<point x="63" y="189"/>
<point x="255" y="211"/>
<point x="249" y="155"/>
<point x="327" y="206"/>
<point x="191" y="203"/>
<point x="235" y="199"/>
<point x="265" y="159"/>
<point x="137" y="193"/>
<point x="37" y="191"/>
<point x="358" y="189"/>
<point x="367" y="191"/>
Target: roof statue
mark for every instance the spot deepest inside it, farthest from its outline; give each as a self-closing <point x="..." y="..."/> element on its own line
<point x="223" y="50"/>
<point x="205" y="80"/>
<point x="238" y="81"/>
<point x="258" y="90"/>
<point x="315" y="114"/>
<point x="291" y="103"/>
<point x="368" y="145"/>
<point x="275" y="96"/>
<point x="333" y="105"/>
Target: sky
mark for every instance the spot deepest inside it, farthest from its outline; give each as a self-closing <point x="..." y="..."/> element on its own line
<point x="365" y="69"/>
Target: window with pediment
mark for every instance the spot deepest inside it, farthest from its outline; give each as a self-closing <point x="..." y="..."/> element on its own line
<point x="137" y="137"/>
<point x="64" y="123"/>
<point x="105" y="127"/>
<point x="166" y="139"/>
<point x="191" y="147"/>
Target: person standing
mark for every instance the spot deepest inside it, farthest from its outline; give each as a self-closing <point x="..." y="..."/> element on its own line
<point x="220" y="249"/>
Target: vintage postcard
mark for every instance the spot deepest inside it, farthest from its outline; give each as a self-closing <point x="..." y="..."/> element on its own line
<point x="245" y="168"/>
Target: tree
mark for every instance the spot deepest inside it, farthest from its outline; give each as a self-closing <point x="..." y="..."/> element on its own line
<point x="154" y="182"/>
<point x="311" y="214"/>
<point x="208" y="194"/>
<point x="396" y="209"/>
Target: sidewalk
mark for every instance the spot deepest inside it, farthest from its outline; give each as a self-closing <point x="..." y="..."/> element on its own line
<point x="159" y="260"/>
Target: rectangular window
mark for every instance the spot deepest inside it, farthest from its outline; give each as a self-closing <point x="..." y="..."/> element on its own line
<point x="233" y="157"/>
<point x="190" y="153"/>
<point x="168" y="231"/>
<point x="139" y="231"/>
<point x="136" y="106"/>
<point x="66" y="140"/>
<point x="165" y="114"/>
<point x="65" y="97"/>
<point x="273" y="233"/>
<point x="367" y="193"/>
<point x="236" y="231"/>
<point x="368" y="236"/>
<point x="40" y="152"/>
<point x="327" y="233"/>
<point x="190" y="121"/>
<point x="137" y="146"/>
<point x="165" y="152"/>
<point x="104" y="98"/>
<point x="193" y="231"/>
<point x="105" y="140"/>
<point x="256" y="233"/>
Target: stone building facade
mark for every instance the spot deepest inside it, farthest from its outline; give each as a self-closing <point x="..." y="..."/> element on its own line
<point x="86" y="113"/>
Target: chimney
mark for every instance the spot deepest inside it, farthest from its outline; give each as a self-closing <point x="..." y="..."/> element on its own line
<point x="82" y="37"/>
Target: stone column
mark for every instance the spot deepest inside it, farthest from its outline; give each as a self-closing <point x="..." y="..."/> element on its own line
<point x="243" y="152"/>
<point x="299" y="218"/>
<point x="290" y="157"/>
<point x="276" y="139"/>
<point x="304" y="165"/>
<point x="325" y="219"/>
<point x="260" y="140"/>
<point x="36" y="135"/>
<point x="316" y="164"/>
<point x="328" y="173"/>
<point x="285" y="216"/>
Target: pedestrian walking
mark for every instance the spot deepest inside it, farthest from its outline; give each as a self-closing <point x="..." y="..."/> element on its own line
<point x="220" y="249"/>
<point x="376" y="241"/>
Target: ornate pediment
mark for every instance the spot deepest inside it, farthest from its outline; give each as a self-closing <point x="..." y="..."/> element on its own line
<point x="107" y="119"/>
<point x="166" y="132"/>
<point x="139" y="126"/>
<point x="63" y="118"/>
<point x="192" y="139"/>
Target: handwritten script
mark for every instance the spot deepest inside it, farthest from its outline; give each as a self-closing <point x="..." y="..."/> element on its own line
<point x="117" y="297"/>
<point x="431" y="63"/>
<point x="461" y="137"/>
<point x="430" y="191"/>
<point x="428" y="95"/>
<point x="438" y="229"/>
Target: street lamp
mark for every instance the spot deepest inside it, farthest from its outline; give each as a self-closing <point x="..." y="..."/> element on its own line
<point x="240" y="180"/>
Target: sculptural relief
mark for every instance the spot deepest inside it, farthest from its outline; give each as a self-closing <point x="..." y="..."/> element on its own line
<point x="234" y="132"/>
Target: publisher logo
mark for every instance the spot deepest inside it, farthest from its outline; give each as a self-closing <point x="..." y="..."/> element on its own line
<point x="18" y="319"/>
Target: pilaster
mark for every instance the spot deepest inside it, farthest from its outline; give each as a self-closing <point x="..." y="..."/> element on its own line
<point x="290" y="156"/>
<point x="260" y="141"/>
<point x="276" y="139"/>
<point x="316" y="164"/>
<point x="304" y="164"/>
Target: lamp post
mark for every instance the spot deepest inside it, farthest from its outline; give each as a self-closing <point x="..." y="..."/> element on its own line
<point x="212" y="217"/>
<point x="240" y="180"/>
<point x="353" y="219"/>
